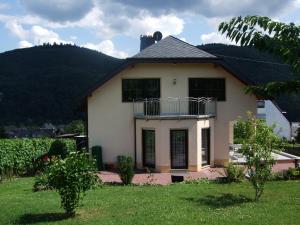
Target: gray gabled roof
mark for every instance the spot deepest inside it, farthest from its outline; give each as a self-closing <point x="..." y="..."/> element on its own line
<point x="172" y="48"/>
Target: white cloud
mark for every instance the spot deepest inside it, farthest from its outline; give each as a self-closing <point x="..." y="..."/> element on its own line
<point x="108" y="26"/>
<point x="106" y="47"/>
<point x="147" y="24"/>
<point x="215" y="37"/>
<point x="25" y="44"/>
<point x="42" y="35"/>
<point x="36" y="35"/>
<point x="17" y="29"/>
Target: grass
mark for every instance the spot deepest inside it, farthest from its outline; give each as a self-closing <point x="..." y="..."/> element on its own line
<point x="174" y="204"/>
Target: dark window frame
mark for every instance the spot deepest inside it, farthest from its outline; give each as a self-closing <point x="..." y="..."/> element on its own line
<point x="223" y="99"/>
<point x="125" y="99"/>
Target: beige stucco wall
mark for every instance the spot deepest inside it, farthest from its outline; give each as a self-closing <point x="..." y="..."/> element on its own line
<point x="111" y="123"/>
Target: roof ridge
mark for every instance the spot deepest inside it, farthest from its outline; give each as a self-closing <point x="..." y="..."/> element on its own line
<point x="190" y="44"/>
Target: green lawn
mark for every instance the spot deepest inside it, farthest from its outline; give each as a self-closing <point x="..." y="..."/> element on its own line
<point x="174" y="204"/>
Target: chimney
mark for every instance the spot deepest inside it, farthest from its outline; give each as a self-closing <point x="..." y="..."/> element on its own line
<point x="147" y="40"/>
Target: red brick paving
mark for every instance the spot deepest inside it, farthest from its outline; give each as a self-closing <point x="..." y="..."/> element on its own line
<point x="162" y="178"/>
<point x="165" y="178"/>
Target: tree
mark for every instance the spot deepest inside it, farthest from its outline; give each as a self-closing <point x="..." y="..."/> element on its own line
<point x="257" y="147"/>
<point x="75" y="127"/>
<point x="277" y="38"/>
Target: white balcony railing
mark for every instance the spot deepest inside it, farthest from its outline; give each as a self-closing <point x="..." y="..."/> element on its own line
<point x="174" y="107"/>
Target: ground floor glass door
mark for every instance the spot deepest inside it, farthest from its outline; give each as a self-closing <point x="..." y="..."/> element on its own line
<point x="148" y="148"/>
<point x="205" y="146"/>
<point x="179" y="149"/>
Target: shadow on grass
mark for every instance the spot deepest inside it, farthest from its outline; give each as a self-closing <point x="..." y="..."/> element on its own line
<point x="221" y="201"/>
<point x="42" y="217"/>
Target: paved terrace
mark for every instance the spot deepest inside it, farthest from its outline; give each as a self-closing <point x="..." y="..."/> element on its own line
<point x="165" y="178"/>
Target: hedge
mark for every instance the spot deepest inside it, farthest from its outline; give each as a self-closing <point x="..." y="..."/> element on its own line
<point x="18" y="156"/>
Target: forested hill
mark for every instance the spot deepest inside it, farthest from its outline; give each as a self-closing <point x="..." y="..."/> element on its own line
<point x="44" y="83"/>
<point x="260" y="68"/>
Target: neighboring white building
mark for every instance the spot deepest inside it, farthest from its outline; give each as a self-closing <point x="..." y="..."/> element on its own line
<point x="171" y="106"/>
<point x="295" y="126"/>
<point x="273" y="115"/>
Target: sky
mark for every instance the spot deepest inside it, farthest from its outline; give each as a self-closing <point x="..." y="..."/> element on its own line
<point x="114" y="26"/>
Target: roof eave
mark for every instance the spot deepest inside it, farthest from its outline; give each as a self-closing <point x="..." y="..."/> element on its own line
<point x="174" y="60"/>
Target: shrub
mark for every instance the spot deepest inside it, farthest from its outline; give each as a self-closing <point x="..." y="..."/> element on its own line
<point x="280" y="175"/>
<point x="293" y="173"/>
<point x="24" y="156"/>
<point x="58" y="148"/>
<point x="125" y="169"/>
<point x="41" y="183"/>
<point x="234" y="173"/>
<point x="71" y="178"/>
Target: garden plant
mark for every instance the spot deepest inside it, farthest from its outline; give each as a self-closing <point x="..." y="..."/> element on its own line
<point x="71" y="178"/>
<point x="257" y="147"/>
<point x="125" y="169"/>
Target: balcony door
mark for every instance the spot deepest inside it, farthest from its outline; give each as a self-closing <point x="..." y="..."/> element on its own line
<point x="179" y="149"/>
<point x="148" y="148"/>
<point x="205" y="146"/>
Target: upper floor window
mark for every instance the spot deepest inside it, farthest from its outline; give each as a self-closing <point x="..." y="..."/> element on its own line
<point x="207" y="87"/>
<point x="140" y="89"/>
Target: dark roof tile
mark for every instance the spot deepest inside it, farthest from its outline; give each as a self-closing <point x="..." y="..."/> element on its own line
<point x="171" y="47"/>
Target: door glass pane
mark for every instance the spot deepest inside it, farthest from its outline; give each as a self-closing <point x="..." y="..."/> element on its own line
<point x="205" y="146"/>
<point x="149" y="148"/>
<point x="179" y="149"/>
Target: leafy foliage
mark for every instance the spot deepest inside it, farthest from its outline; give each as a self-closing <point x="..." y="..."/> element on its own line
<point x="241" y="131"/>
<point x="58" y="148"/>
<point x="41" y="182"/>
<point x="234" y="173"/>
<point x="72" y="177"/>
<point x="293" y="173"/>
<point x="257" y="147"/>
<point x="48" y="82"/>
<point x="22" y="156"/>
<point x="75" y="127"/>
<point x="125" y="169"/>
<point x="267" y="35"/>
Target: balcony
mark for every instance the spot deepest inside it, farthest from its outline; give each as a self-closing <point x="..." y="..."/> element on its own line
<point x="172" y="108"/>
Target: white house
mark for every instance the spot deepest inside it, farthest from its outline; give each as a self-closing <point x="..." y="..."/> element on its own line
<point x="270" y="111"/>
<point x="171" y="106"/>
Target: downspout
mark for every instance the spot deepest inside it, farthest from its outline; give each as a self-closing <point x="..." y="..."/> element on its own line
<point x="135" y="162"/>
<point x="87" y="124"/>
